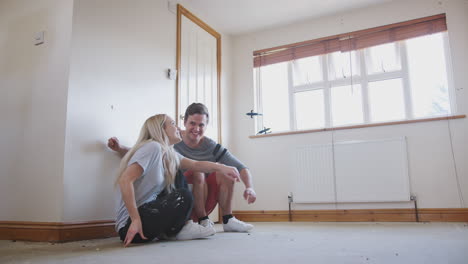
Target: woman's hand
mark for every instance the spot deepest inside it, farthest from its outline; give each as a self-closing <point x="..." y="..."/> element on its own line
<point x="114" y="144"/>
<point x="135" y="228"/>
<point x="229" y="172"/>
<point x="126" y="180"/>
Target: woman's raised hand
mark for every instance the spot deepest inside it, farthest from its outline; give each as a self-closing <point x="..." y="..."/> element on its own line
<point x="229" y="172"/>
<point x="114" y="144"/>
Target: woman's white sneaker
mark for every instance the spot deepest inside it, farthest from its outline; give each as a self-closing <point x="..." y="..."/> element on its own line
<point x="194" y="231"/>
<point x="208" y="224"/>
<point x="235" y="225"/>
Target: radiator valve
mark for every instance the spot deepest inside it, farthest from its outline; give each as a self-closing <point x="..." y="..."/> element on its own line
<point x="290" y="197"/>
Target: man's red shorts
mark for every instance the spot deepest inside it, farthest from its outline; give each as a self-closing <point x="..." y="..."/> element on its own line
<point x="213" y="192"/>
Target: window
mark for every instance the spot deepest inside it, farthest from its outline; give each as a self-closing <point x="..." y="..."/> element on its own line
<point x="275" y="100"/>
<point x="392" y="73"/>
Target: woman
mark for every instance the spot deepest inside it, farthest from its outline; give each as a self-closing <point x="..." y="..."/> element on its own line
<point x="149" y="168"/>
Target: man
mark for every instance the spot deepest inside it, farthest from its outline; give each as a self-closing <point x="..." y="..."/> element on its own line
<point x="208" y="190"/>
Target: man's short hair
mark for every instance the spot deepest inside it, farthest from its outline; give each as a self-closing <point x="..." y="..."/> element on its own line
<point x="196" y="108"/>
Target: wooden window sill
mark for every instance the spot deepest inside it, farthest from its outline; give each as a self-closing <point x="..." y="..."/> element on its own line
<point x="359" y="126"/>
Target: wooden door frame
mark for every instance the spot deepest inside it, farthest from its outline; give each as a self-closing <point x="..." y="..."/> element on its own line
<point x="181" y="11"/>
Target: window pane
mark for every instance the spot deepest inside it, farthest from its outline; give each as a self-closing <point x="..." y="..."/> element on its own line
<point x="274" y="95"/>
<point x="346" y="105"/>
<point x="428" y="76"/>
<point x="310" y="109"/>
<point x="386" y="100"/>
<point x="383" y="58"/>
<point x="307" y="70"/>
<point x="343" y="65"/>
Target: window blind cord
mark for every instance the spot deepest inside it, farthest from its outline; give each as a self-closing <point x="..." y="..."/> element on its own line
<point x="457" y="178"/>
<point x="351" y="71"/>
<point x="333" y="134"/>
<point x="333" y="159"/>
<point x="259" y="99"/>
<point x="330" y="115"/>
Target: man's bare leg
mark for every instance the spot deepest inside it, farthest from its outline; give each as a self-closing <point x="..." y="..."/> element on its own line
<point x="200" y="193"/>
<point x="226" y="190"/>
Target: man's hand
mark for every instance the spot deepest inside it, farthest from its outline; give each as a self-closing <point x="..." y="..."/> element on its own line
<point x="249" y="195"/>
<point x="113" y="143"/>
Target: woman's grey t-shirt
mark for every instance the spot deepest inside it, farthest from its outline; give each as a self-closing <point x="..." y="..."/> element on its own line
<point x="207" y="151"/>
<point x="149" y="184"/>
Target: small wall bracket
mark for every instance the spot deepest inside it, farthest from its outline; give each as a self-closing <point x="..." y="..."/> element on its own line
<point x="416" y="213"/>
<point x="290" y="201"/>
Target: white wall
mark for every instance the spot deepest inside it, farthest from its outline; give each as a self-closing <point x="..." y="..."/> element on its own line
<point x="120" y="53"/>
<point x="117" y="80"/>
<point x="226" y="90"/>
<point x="33" y="91"/>
<point x="101" y="73"/>
<point x="431" y="165"/>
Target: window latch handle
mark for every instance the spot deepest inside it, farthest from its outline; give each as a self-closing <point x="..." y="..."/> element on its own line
<point x="252" y="114"/>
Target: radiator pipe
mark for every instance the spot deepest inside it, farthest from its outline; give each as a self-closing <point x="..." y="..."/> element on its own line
<point x="416" y="213"/>
<point x="290" y="200"/>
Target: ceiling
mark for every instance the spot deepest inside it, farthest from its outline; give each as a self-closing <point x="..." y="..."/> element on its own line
<point x="242" y="16"/>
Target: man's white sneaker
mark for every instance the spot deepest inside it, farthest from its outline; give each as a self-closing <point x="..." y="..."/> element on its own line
<point x="194" y="231"/>
<point x="235" y="225"/>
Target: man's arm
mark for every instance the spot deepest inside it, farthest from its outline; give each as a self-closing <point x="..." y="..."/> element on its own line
<point x="228" y="159"/>
<point x="113" y="143"/>
<point x="207" y="166"/>
<point x="249" y="194"/>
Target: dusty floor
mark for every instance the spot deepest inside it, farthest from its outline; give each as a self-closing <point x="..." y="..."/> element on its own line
<point x="269" y="243"/>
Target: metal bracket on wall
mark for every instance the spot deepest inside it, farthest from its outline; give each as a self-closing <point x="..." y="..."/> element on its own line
<point x="290" y="201"/>
<point x="416" y="213"/>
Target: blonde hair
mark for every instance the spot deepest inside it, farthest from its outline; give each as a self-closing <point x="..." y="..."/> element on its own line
<point x="153" y="130"/>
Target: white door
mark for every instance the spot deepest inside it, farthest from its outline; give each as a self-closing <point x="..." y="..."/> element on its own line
<point x="198" y="73"/>
<point x="199" y="67"/>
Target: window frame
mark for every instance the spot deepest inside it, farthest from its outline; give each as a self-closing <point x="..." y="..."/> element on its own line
<point x="363" y="79"/>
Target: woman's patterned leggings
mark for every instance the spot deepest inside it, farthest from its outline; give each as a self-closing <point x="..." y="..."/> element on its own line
<point x="164" y="215"/>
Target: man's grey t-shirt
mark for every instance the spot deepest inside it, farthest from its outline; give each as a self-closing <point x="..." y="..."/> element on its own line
<point x="207" y="151"/>
<point x="149" y="184"/>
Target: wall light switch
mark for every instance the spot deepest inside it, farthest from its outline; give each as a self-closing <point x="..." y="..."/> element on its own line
<point x="172" y="6"/>
<point x="39" y="38"/>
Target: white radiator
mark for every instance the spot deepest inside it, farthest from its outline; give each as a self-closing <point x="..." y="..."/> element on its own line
<point x="354" y="171"/>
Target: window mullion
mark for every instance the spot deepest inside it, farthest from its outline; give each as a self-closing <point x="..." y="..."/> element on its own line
<point x="342" y="82"/>
<point x="259" y="99"/>
<point x="309" y="87"/>
<point x="292" y="107"/>
<point x="448" y="67"/>
<point x="326" y="91"/>
<point x="364" y="87"/>
<point x="406" y="83"/>
<point x="384" y="76"/>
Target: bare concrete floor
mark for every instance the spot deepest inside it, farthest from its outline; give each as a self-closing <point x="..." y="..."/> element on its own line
<point x="269" y="243"/>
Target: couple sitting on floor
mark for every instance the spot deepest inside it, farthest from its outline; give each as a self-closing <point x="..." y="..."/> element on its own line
<point x="154" y="201"/>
